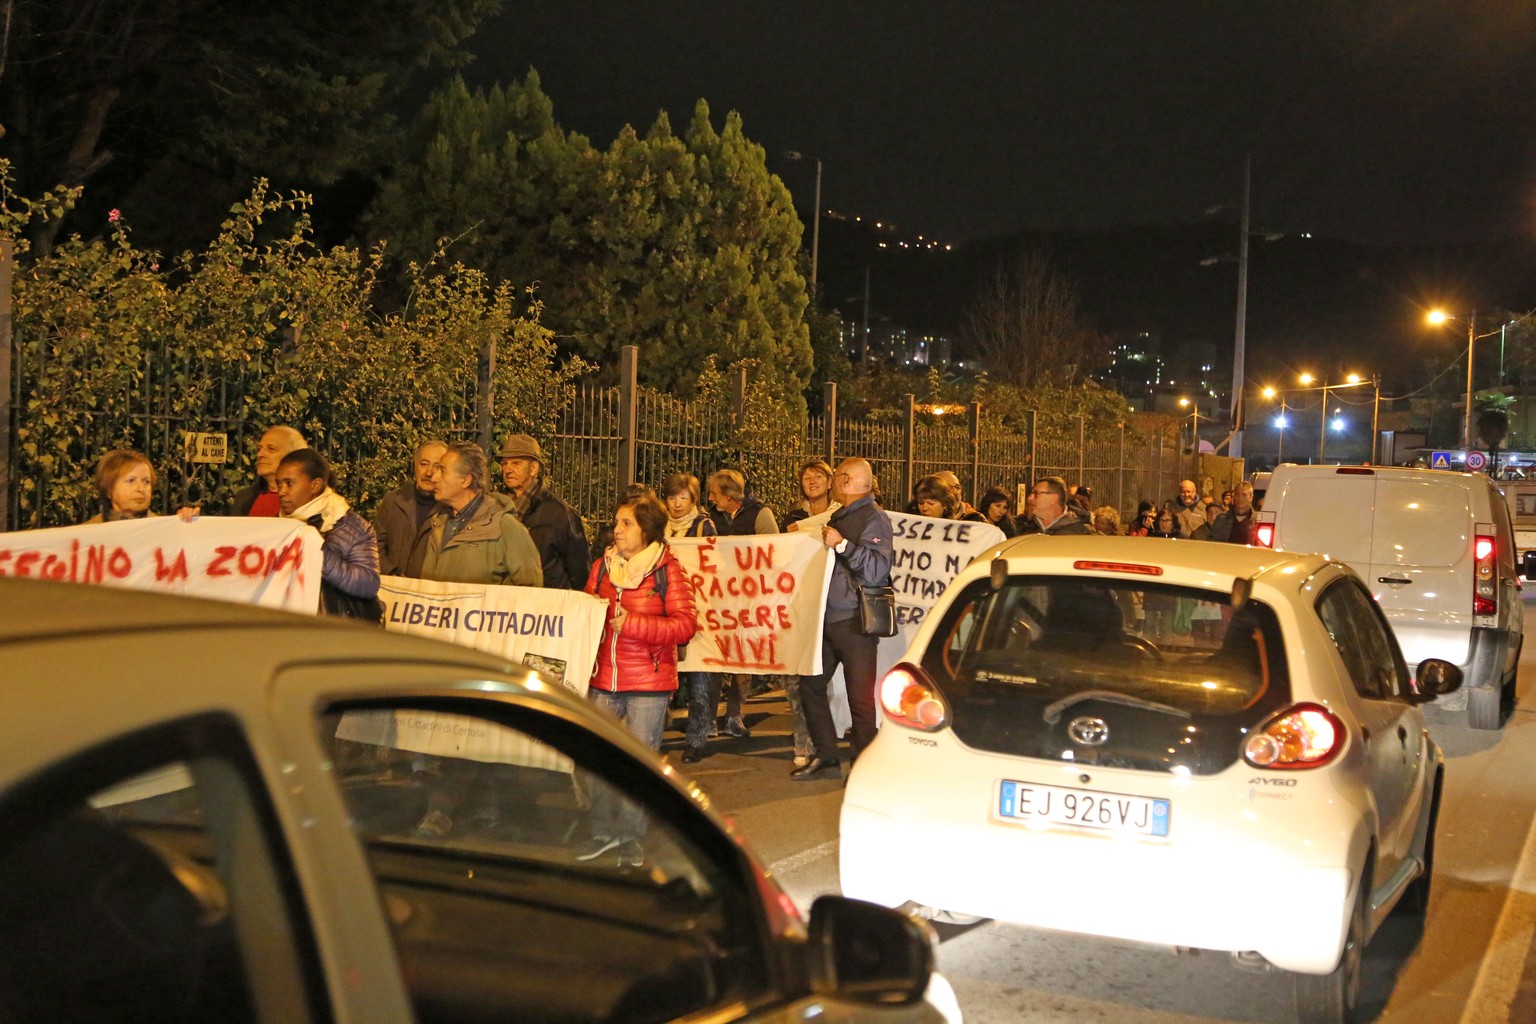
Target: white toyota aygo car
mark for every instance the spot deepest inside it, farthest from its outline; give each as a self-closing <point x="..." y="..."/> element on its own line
<point x="1130" y="738"/>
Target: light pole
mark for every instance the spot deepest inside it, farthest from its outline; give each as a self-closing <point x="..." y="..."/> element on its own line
<point x="815" y="219"/>
<point x="1280" y="424"/>
<point x="1437" y="317"/>
<point x="1194" y="430"/>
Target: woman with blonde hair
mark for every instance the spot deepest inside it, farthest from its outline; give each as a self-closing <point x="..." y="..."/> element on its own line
<point x="125" y="485"/>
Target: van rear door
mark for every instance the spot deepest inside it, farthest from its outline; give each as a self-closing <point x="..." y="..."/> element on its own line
<point x="1420" y="570"/>
<point x="1328" y="513"/>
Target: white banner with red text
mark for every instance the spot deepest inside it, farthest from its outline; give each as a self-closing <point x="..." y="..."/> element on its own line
<point x="760" y="601"/>
<point x="554" y="632"/>
<point x="274" y="563"/>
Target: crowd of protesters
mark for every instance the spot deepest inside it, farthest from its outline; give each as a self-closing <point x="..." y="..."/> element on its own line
<point x="450" y="522"/>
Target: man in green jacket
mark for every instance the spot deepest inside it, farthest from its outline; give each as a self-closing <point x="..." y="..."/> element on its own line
<point x="476" y="538"/>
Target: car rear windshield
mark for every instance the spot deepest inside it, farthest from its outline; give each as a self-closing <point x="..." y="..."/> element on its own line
<point x="1019" y="663"/>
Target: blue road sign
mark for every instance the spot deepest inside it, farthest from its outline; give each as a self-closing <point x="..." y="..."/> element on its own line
<point x="1439" y="460"/>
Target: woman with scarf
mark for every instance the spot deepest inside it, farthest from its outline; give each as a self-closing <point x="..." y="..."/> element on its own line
<point x="650" y="612"/>
<point x="125" y="484"/>
<point x="349" y="572"/>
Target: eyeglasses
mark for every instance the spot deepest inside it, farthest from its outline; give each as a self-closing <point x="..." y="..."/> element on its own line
<point x="1040" y="494"/>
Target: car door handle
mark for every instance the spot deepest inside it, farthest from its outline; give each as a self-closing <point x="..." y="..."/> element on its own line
<point x="1402" y="736"/>
<point x="1393" y="581"/>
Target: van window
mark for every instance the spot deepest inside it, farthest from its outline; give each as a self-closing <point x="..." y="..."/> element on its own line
<point x="1424" y="523"/>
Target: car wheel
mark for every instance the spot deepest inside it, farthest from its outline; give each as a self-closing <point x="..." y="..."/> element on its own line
<point x="1485" y="707"/>
<point x="1332" y="998"/>
<point x="1415" y="900"/>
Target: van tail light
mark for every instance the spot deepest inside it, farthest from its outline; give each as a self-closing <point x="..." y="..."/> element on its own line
<point x="1485" y="591"/>
<point x="908" y="697"/>
<point x="1264" y="535"/>
<point x="1301" y="736"/>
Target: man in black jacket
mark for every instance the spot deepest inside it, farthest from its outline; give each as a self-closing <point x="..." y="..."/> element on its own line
<point x="860" y="536"/>
<point x="403" y="511"/>
<point x="556" y="527"/>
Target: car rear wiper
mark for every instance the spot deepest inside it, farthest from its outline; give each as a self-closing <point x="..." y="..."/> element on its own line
<point x="1053" y="710"/>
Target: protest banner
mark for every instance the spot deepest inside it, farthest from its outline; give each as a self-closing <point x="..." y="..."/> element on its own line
<point x="274" y="563"/>
<point x="554" y="632"/>
<point x="760" y="601"/>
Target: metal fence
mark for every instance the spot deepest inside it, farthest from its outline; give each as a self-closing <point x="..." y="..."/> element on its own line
<point x="610" y="436"/>
<point x="590" y="460"/>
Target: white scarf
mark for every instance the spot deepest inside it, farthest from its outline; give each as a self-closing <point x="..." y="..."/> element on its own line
<point x="330" y="507"/>
<point x="627" y="573"/>
<point x="679" y="527"/>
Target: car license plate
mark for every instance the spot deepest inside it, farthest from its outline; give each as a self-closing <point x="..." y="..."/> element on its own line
<point x="1061" y="805"/>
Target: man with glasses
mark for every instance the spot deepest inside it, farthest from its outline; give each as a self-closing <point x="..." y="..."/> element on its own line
<point x="1052" y="516"/>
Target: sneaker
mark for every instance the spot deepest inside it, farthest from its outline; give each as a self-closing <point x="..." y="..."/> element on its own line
<point x="736" y="727"/>
<point x="596" y="847"/>
<point x="801" y="760"/>
<point x="631" y="854"/>
<point x="714" y="731"/>
<point x="434" y="825"/>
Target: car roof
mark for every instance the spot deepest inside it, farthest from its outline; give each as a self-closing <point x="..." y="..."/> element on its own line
<point x="1185" y="562"/>
<point x="1295" y="469"/>
<point x="33" y="610"/>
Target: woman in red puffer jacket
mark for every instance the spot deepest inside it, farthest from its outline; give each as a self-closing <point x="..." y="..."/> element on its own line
<point x="650" y="612"/>
<point x="650" y="604"/>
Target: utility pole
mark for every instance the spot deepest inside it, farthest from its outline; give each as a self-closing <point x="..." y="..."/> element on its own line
<point x="1235" y="449"/>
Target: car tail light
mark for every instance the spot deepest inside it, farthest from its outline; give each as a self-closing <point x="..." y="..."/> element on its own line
<point x="1485" y="592"/>
<point x="1264" y="535"/>
<point x="908" y="697"/>
<point x="1302" y="736"/>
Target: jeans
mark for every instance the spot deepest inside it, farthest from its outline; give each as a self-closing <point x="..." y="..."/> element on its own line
<point x="644" y="713"/>
<point x="797" y="711"/>
<point x="842" y="643"/>
<point x="734" y="686"/>
<point x="703" y="698"/>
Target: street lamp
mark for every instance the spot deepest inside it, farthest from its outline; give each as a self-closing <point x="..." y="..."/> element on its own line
<point x="815" y="220"/>
<point x="1280" y="423"/>
<point x="1438" y="317"/>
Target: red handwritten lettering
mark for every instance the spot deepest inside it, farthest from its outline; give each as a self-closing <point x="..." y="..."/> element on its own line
<point x="221" y="555"/>
<point x="706" y="550"/>
<point x="119" y="564"/>
<point x="293" y="555"/>
<point x="176" y="570"/>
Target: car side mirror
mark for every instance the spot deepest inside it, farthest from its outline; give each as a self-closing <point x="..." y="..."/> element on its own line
<point x="869" y="954"/>
<point x="1435" y="677"/>
<point x="1528" y="564"/>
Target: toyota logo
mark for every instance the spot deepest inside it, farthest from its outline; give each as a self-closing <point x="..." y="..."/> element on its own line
<point x="1090" y="732"/>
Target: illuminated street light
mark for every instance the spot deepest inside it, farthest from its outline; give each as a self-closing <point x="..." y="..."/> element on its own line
<point x="1438" y="317"/>
<point x="1353" y="378"/>
<point x="1268" y="392"/>
<point x="1305" y="379"/>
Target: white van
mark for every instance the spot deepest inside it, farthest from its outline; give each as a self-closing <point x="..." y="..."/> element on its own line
<point x="1436" y="548"/>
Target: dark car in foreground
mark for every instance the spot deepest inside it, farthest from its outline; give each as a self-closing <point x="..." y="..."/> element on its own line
<point x="212" y="813"/>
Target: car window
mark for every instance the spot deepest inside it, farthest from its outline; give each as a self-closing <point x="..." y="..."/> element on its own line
<point x="124" y="900"/>
<point x="1177" y="671"/>
<point x="1360" y="633"/>
<point x="544" y="877"/>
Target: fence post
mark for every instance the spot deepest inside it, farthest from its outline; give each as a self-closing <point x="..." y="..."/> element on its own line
<point x="7" y="252"/>
<point x="1120" y="486"/>
<point x="485" y="399"/>
<point x="975" y="416"/>
<point x="629" y="377"/>
<point x="1082" y="455"/>
<point x="908" y="447"/>
<point x="829" y="419"/>
<point x="1030" y="474"/>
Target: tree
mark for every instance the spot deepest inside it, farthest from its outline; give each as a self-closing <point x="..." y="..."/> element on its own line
<point x="137" y="99"/>
<point x="1028" y="327"/>
<point x="685" y="246"/>
<point x="118" y="347"/>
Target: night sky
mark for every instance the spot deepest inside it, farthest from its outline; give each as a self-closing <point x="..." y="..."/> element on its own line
<point x="1377" y="121"/>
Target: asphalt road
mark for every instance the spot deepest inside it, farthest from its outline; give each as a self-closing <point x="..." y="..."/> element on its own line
<point x="1472" y="962"/>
